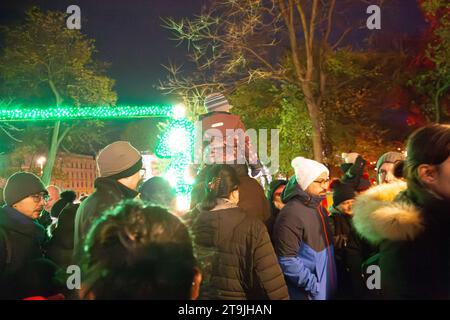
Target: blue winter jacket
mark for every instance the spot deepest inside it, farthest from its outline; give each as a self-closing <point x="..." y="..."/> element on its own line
<point x="303" y="243"/>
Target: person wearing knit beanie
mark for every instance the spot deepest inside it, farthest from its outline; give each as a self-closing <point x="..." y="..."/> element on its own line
<point x="302" y="235"/>
<point x="22" y="237"/>
<point x="343" y="196"/>
<point x="119" y="160"/>
<point x="218" y="137"/>
<point x="216" y="102"/>
<point x="26" y="193"/>
<point x="312" y="176"/>
<point x="349" y="248"/>
<point x="385" y="166"/>
<point x="120" y="171"/>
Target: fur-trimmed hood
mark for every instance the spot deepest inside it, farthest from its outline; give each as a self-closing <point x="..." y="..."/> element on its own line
<point x="377" y="216"/>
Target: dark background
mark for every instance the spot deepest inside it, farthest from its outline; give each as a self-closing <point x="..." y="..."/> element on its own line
<point x="129" y="35"/>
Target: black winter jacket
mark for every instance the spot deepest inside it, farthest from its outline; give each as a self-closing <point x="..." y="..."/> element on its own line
<point x="350" y="251"/>
<point x="21" y="241"/>
<point x="108" y="192"/>
<point x="60" y="246"/>
<point x="237" y="258"/>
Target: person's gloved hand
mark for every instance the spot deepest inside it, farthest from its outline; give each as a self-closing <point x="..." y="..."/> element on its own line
<point x="340" y="241"/>
<point x="350" y="157"/>
<point x="256" y="169"/>
<point x="356" y="170"/>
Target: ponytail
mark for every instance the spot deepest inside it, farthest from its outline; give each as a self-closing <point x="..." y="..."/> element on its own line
<point x="221" y="180"/>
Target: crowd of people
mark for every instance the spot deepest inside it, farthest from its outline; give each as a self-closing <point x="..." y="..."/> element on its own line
<point x="236" y="242"/>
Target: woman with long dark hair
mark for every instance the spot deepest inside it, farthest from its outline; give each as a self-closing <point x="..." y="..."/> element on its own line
<point x="233" y="248"/>
<point x="411" y="222"/>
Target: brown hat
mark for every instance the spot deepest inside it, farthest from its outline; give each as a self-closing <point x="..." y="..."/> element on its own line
<point x="119" y="160"/>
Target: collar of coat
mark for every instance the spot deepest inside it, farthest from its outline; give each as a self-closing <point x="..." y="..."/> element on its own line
<point x="12" y="219"/>
<point x="108" y="184"/>
<point x="293" y="191"/>
<point x="205" y="115"/>
<point x="336" y="212"/>
<point x="223" y="204"/>
<point x="377" y="217"/>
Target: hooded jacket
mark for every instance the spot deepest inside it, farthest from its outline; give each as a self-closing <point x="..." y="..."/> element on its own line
<point x="108" y="192"/>
<point x="237" y="258"/>
<point x="304" y="244"/>
<point x="413" y="239"/>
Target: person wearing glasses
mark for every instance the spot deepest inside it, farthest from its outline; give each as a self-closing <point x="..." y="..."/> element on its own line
<point x="120" y="175"/>
<point x="302" y="235"/>
<point x="386" y="167"/>
<point x="21" y="236"/>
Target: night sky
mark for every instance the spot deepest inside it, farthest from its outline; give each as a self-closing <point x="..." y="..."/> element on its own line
<point x="129" y="35"/>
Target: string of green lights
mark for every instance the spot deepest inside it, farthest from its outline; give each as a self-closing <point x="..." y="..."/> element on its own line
<point x="175" y="143"/>
<point x="76" y="113"/>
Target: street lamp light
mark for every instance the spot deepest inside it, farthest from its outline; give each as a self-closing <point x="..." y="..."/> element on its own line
<point x="179" y="111"/>
<point x="40" y="161"/>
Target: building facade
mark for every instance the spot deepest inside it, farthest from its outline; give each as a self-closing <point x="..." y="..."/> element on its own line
<point x="75" y="172"/>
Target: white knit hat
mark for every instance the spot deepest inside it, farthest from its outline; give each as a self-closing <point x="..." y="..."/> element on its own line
<point x="306" y="171"/>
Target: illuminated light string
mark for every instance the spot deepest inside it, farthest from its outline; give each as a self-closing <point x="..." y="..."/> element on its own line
<point x="84" y="113"/>
<point x="175" y="143"/>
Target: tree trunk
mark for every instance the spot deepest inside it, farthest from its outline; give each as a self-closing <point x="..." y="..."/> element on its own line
<point x="314" y="114"/>
<point x="54" y="143"/>
<point x="51" y="157"/>
<point x="305" y="75"/>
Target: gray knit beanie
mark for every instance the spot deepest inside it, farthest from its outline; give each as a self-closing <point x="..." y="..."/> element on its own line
<point x="389" y="157"/>
<point x="119" y="160"/>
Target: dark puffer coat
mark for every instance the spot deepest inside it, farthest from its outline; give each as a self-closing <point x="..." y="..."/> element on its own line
<point x="237" y="258"/>
<point x="350" y="251"/>
<point x="21" y="242"/>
